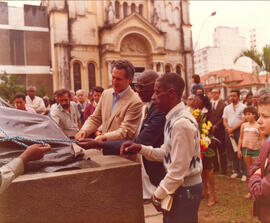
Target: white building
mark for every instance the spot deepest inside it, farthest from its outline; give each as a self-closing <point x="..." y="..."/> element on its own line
<point x="228" y="44"/>
<point x="25" y="45"/>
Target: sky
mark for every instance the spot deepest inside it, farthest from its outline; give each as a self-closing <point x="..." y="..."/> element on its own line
<point x="245" y="14"/>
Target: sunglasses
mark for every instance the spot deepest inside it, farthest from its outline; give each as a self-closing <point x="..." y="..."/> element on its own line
<point x="141" y="86"/>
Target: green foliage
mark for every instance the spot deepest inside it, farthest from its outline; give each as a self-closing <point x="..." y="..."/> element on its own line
<point x="9" y="86"/>
<point x="209" y="153"/>
<point x="261" y="59"/>
<point x="41" y="91"/>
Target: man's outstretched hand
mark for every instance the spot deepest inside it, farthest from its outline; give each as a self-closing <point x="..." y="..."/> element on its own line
<point x="34" y="152"/>
<point x="130" y="148"/>
<point x="80" y="135"/>
<point x="89" y="143"/>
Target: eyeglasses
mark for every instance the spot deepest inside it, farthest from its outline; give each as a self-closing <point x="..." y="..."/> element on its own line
<point x="139" y="87"/>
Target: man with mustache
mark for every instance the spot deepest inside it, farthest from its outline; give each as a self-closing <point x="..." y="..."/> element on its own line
<point x="66" y="114"/>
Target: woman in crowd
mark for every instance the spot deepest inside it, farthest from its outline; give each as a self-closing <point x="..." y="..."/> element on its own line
<point x="250" y="139"/>
<point x="202" y="103"/>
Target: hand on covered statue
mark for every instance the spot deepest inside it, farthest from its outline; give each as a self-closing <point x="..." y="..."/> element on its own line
<point x="34" y="152"/>
<point x="130" y="148"/>
<point x="101" y="138"/>
<point x="89" y="143"/>
<point x="80" y="135"/>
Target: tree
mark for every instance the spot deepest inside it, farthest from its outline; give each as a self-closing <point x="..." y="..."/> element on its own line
<point x="262" y="60"/>
<point x="9" y="86"/>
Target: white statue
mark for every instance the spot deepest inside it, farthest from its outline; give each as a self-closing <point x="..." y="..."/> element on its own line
<point x="155" y="18"/>
<point x="109" y="14"/>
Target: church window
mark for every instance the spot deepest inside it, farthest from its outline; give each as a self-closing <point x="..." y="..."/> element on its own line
<point x="167" y="68"/>
<point x="117" y="13"/>
<point x="133" y="8"/>
<point x="158" y="67"/>
<point x="125" y="7"/>
<point x="141" y="9"/>
<point x="77" y="76"/>
<point x="178" y="70"/>
<point x="91" y="76"/>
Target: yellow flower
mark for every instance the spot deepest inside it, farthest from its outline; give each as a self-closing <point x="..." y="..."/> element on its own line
<point x="204" y="126"/>
<point x="196" y="113"/>
<point x="205" y="131"/>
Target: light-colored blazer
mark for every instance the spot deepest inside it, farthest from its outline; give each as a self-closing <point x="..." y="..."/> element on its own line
<point x="124" y="121"/>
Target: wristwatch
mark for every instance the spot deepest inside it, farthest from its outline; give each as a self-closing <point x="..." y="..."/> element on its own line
<point x="156" y="201"/>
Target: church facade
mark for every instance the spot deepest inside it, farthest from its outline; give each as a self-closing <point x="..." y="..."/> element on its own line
<point x="87" y="36"/>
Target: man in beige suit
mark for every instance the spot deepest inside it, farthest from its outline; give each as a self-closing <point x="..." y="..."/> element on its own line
<point x="119" y="108"/>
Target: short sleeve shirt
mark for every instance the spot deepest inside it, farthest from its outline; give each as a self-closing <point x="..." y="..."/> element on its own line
<point x="67" y="121"/>
<point x="234" y="117"/>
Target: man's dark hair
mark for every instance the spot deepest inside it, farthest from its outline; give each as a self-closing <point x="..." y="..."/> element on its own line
<point x="200" y="88"/>
<point x="126" y="65"/>
<point x="264" y="98"/>
<point x="172" y="80"/>
<point x="205" y="100"/>
<point x="196" y="78"/>
<point x="19" y="95"/>
<point x="252" y="110"/>
<point x="249" y="94"/>
<point x="98" y="89"/>
<point x="236" y="91"/>
<point x="217" y="89"/>
<point x="62" y="92"/>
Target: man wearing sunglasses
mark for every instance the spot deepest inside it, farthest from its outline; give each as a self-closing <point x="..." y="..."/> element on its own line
<point x="180" y="153"/>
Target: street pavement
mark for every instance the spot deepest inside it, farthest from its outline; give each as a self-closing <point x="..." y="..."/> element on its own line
<point x="151" y="215"/>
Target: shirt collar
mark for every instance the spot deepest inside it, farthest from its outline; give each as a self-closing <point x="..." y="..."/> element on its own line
<point x="120" y="95"/>
<point x="62" y="109"/>
<point x="149" y="104"/>
<point x="204" y="110"/>
<point x="176" y="107"/>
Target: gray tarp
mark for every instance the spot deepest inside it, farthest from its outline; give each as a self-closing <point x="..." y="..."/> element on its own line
<point x="20" y="123"/>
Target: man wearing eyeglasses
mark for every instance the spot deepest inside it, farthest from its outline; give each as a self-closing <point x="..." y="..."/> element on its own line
<point x="180" y="153"/>
<point x="119" y="108"/>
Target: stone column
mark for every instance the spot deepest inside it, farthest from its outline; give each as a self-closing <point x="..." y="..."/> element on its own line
<point x="162" y="68"/>
<point x="109" y="64"/>
<point x="155" y="66"/>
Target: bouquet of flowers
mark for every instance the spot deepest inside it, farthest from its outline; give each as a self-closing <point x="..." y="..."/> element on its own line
<point x="205" y="135"/>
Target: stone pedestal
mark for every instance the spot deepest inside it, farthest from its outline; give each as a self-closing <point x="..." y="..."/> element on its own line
<point x="109" y="193"/>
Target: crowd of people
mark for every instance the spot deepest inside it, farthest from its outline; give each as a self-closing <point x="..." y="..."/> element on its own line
<point x="151" y="123"/>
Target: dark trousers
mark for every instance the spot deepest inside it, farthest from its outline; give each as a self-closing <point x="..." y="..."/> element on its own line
<point x="185" y="205"/>
<point x="220" y="150"/>
<point x="239" y="166"/>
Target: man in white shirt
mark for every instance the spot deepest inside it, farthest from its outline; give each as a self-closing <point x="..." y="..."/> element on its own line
<point x="20" y="103"/>
<point x="15" y="168"/>
<point x="233" y="117"/>
<point x="66" y="114"/>
<point x="82" y="103"/>
<point x="180" y="153"/>
<point x="34" y="101"/>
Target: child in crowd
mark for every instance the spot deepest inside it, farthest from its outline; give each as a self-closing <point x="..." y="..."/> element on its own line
<point x="250" y="139"/>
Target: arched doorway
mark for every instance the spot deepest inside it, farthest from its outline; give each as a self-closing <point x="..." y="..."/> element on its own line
<point x="137" y="49"/>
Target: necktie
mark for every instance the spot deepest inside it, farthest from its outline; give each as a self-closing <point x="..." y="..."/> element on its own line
<point x="214" y="105"/>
